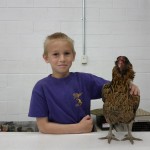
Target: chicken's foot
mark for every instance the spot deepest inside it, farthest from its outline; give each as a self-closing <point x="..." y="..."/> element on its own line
<point x="110" y="136"/>
<point x="130" y="137"/>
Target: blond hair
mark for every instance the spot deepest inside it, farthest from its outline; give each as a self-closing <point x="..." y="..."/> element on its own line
<point x="57" y="36"/>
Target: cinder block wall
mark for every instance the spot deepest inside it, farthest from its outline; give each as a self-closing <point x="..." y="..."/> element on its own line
<point x="113" y="28"/>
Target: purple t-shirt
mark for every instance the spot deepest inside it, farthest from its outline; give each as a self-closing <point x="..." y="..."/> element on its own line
<point x="65" y="100"/>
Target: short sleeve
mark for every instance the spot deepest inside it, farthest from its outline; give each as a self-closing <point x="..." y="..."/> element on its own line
<point x="38" y="105"/>
<point x="96" y="86"/>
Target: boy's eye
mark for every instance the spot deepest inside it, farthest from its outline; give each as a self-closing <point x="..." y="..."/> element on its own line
<point x="55" y="54"/>
<point x="67" y="53"/>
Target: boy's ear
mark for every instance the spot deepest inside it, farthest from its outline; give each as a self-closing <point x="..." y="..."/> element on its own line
<point x="45" y="57"/>
<point x="74" y="56"/>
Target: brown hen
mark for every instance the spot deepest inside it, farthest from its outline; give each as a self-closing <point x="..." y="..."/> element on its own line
<point x="119" y="106"/>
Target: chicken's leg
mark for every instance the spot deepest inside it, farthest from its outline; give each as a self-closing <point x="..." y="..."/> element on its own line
<point x="129" y="136"/>
<point x="110" y="135"/>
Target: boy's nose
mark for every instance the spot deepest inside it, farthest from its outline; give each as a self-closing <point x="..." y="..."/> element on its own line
<point x="62" y="58"/>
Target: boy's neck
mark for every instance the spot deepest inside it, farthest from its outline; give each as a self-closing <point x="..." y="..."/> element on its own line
<point x="58" y="76"/>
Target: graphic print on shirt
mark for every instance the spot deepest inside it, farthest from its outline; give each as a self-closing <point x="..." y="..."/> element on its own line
<point x="77" y="98"/>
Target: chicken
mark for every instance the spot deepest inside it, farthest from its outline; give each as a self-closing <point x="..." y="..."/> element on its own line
<point x="119" y="106"/>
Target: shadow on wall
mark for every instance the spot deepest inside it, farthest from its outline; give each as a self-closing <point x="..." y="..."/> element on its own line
<point x="21" y="126"/>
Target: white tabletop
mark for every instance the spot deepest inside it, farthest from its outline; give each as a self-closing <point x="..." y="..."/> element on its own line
<point x="89" y="141"/>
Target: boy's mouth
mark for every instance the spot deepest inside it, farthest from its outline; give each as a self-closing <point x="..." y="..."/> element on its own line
<point x="62" y="65"/>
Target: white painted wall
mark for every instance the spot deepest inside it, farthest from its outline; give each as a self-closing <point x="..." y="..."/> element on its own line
<point x="113" y="28"/>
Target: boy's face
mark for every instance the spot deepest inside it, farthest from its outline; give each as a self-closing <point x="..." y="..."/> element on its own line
<point x="60" y="56"/>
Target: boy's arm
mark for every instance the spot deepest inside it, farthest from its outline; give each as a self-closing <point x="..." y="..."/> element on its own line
<point x="84" y="126"/>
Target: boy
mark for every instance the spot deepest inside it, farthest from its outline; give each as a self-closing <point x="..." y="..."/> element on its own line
<point x="61" y="101"/>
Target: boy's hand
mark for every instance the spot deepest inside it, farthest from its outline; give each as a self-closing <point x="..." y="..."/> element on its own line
<point x="86" y="124"/>
<point x="134" y="89"/>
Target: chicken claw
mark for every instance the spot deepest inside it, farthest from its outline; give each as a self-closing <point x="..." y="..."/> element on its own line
<point x="110" y="137"/>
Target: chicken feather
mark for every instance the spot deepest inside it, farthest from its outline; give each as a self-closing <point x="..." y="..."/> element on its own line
<point x="119" y="105"/>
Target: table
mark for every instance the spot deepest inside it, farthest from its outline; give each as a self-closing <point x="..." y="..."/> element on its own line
<point x="88" y="141"/>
